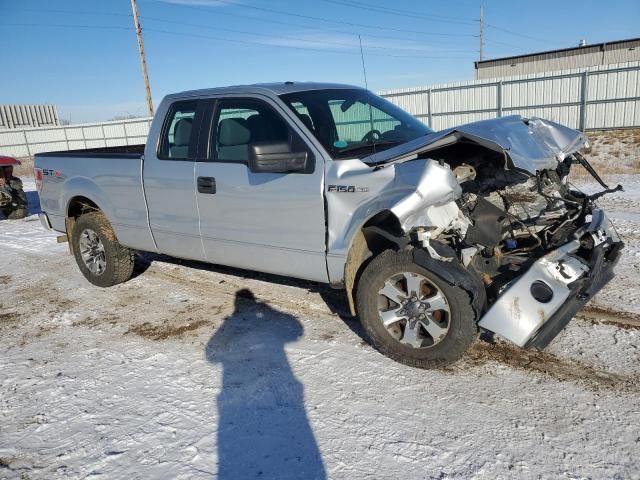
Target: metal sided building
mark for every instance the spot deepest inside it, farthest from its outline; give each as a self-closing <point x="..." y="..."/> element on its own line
<point x="28" y="116"/>
<point x="583" y="56"/>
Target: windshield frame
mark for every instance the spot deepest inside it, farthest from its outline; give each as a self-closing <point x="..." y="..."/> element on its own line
<point x="318" y="105"/>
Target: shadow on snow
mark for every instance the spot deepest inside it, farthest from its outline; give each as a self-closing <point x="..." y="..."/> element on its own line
<point x="263" y="429"/>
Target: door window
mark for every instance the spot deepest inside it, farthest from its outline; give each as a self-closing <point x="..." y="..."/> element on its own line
<point x="240" y="123"/>
<point x="178" y="135"/>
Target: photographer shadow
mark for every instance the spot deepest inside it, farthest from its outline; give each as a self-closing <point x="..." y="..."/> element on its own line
<point x="263" y="429"/>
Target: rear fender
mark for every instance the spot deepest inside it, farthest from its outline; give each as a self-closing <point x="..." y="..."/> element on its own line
<point x="83" y="187"/>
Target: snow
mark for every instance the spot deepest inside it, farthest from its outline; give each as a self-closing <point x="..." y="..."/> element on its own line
<point x="176" y="375"/>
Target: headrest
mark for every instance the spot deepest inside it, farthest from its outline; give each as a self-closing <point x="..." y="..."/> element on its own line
<point x="233" y="131"/>
<point x="182" y="132"/>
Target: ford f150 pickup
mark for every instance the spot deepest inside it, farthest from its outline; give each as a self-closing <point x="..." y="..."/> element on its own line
<point x="433" y="235"/>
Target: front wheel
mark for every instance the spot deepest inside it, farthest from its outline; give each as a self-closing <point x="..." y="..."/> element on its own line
<point x="411" y="314"/>
<point x="101" y="259"/>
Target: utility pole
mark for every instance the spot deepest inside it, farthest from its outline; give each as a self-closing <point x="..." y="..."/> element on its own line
<point x="143" y="61"/>
<point x="481" y="32"/>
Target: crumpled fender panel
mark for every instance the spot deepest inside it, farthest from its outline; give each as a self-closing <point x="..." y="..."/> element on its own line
<point x="414" y="192"/>
<point x="529" y="144"/>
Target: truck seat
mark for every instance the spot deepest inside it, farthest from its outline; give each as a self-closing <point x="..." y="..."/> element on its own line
<point x="234" y="136"/>
<point x="181" y="139"/>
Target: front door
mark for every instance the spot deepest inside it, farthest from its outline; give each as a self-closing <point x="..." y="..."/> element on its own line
<point x="270" y="222"/>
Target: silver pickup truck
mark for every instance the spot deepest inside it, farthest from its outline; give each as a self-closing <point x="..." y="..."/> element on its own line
<point x="433" y="235"/>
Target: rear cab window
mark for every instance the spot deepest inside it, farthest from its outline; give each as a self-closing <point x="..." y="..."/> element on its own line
<point x="179" y="133"/>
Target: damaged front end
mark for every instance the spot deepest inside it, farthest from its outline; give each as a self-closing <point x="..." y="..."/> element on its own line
<point x="541" y="247"/>
<point x="494" y="198"/>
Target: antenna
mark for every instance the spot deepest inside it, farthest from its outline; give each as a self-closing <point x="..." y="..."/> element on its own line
<point x="143" y="61"/>
<point x="481" y="32"/>
<point x="364" y="70"/>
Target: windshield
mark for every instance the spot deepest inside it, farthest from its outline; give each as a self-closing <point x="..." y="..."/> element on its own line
<point x="354" y="123"/>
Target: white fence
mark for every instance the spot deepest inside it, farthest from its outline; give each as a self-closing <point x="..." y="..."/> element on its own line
<point x="28" y="142"/>
<point x="592" y="99"/>
<point x="597" y="98"/>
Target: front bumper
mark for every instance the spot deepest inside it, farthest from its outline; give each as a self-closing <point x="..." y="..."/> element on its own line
<point x="532" y="321"/>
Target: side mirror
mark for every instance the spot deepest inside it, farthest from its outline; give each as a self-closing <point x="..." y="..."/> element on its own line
<point x="275" y="157"/>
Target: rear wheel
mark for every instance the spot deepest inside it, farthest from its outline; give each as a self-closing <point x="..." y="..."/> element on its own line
<point x="101" y="259"/>
<point x="411" y="314"/>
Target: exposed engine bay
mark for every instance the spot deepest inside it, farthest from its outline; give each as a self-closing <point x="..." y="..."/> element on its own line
<point x="516" y="217"/>
<point x="515" y="221"/>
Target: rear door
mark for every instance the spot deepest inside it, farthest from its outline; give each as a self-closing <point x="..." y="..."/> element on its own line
<point x="271" y="222"/>
<point x="169" y="183"/>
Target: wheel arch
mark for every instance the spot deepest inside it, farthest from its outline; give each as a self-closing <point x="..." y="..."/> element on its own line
<point x="380" y="232"/>
<point x="79" y="205"/>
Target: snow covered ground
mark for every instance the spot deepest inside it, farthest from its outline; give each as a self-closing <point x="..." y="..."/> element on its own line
<point x="183" y="373"/>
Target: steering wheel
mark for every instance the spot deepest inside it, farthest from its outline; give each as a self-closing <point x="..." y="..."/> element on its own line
<point x="372" y="136"/>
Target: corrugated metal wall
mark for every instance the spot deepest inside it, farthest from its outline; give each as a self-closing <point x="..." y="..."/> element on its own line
<point x="583" y="57"/>
<point x="24" y="116"/>
<point x="598" y="98"/>
<point x="28" y="142"/>
<point x="594" y="98"/>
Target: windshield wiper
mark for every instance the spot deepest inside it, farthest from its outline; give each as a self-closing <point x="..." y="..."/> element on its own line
<point x="353" y="148"/>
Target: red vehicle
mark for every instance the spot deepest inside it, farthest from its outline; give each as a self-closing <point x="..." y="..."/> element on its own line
<point x="13" y="200"/>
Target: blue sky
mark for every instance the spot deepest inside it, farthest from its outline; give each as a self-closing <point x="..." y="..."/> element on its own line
<point x="82" y="55"/>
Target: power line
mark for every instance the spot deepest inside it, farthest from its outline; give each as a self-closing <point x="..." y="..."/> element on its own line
<point x="77" y="12"/>
<point x="399" y="12"/>
<point x="286" y="37"/>
<point x="511" y="32"/>
<point x="66" y="25"/>
<point x="223" y="39"/>
<point x="505" y="44"/>
<point x="237" y="15"/>
<point x="320" y="19"/>
<point x="324" y="50"/>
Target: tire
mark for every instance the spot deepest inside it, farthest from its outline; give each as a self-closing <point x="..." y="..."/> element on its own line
<point x="105" y="262"/>
<point x="440" y="338"/>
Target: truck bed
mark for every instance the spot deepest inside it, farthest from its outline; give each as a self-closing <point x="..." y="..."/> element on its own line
<point x="121" y="151"/>
<point x="110" y="177"/>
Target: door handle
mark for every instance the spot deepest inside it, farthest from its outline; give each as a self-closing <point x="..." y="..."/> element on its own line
<point x="206" y="185"/>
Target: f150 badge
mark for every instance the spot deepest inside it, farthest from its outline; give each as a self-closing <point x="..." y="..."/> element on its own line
<point x="346" y="189"/>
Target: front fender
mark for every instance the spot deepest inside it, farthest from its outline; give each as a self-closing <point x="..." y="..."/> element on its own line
<point x="357" y="192"/>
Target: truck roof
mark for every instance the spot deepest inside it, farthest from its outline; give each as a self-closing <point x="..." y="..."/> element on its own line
<point x="275" y="88"/>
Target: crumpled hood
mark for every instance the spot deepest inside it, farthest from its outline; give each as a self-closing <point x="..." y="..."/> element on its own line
<point x="529" y="144"/>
